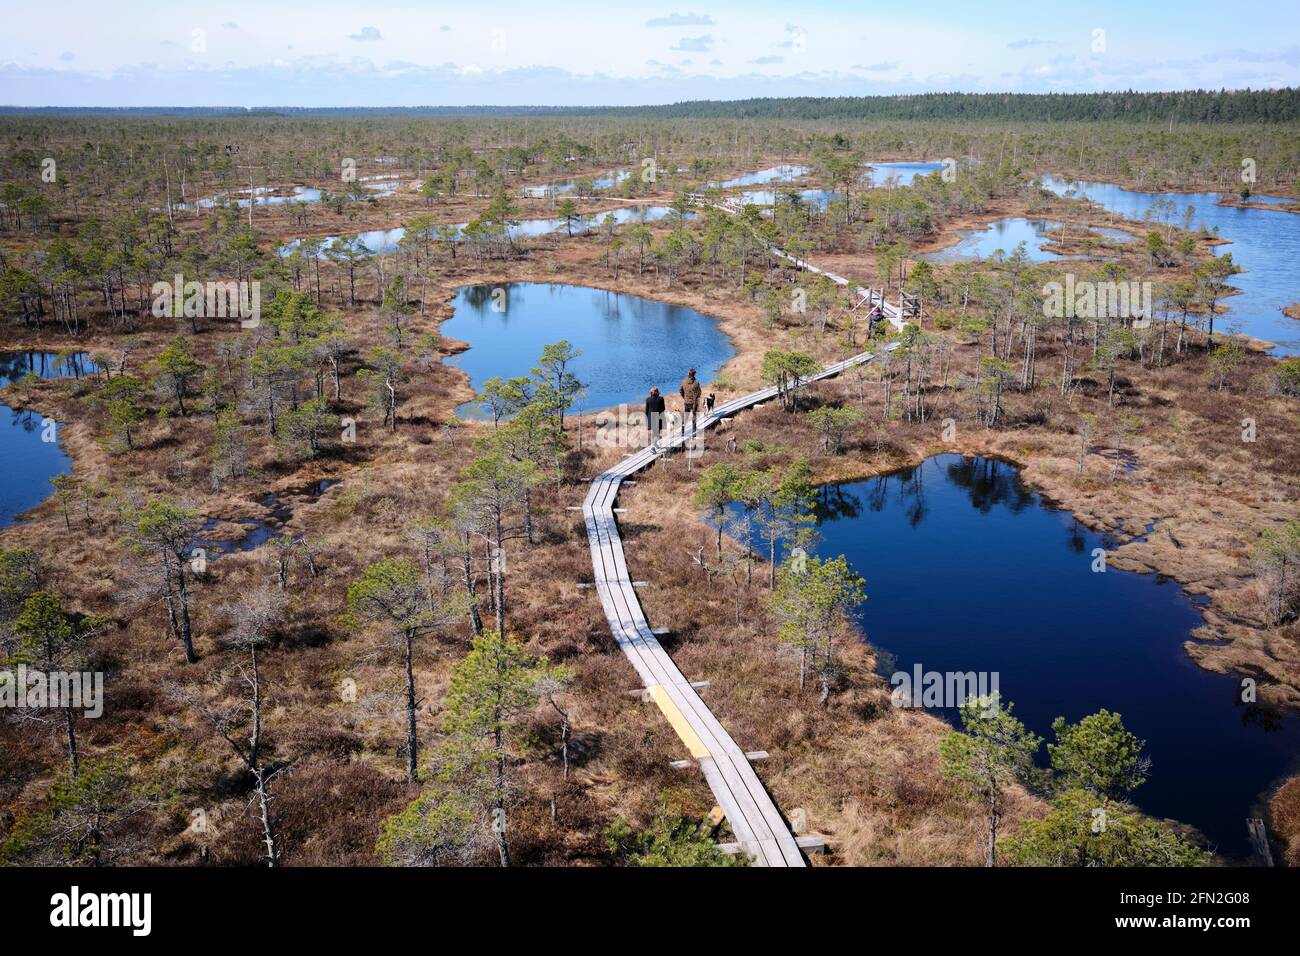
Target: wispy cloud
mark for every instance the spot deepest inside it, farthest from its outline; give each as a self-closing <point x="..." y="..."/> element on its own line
<point x="366" y="35"/>
<point x="682" y="20"/>
<point x="796" y="38"/>
<point x="694" y="44"/>
<point x="1025" y="44"/>
<point x="767" y="60"/>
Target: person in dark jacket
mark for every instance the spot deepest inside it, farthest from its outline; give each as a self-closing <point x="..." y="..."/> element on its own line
<point x="690" y="391"/>
<point x="654" y="415"/>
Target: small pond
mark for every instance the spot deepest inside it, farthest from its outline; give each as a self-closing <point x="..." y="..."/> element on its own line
<point x="818" y="198"/>
<point x="628" y="343"/>
<point x="605" y="181"/>
<point x="900" y="174"/>
<point x="772" y="174"/>
<point x="1006" y="234"/>
<point x="30" y="462"/>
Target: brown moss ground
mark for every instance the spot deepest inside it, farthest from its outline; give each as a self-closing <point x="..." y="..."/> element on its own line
<point x="623" y="751"/>
<point x="866" y="773"/>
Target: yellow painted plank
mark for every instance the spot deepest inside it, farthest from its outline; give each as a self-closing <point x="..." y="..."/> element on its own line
<point x="680" y="724"/>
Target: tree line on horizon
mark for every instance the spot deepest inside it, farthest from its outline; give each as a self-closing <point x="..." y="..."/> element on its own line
<point x="1187" y="106"/>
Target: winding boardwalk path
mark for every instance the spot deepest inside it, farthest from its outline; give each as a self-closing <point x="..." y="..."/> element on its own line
<point x="753" y="815"/>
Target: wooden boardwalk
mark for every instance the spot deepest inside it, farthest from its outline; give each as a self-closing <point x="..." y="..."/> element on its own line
<point x="754" y="818"/>
<point x="865" y="296"/>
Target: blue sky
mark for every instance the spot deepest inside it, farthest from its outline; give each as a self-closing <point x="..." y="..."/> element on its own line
<point x="566" y="52"/>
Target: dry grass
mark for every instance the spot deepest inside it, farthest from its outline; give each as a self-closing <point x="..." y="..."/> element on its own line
<point x="866" y="773"/>
<point x="1284" y="819"/>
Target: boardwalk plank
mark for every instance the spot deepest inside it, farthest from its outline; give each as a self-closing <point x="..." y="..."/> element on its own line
<point x="753" y="816"/>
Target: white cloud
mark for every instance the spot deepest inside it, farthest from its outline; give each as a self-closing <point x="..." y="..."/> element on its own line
<point x="366" y="35"/>
<point x="796" y="38"/>
<point x="682" y="20"/>
<point x="694" y="44"/>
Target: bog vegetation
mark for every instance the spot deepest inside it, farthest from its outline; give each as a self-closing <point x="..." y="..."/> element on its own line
<point x="341" y="625"/>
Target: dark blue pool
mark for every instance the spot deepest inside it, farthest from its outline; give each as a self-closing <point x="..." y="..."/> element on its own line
<point x="968" y="569"/>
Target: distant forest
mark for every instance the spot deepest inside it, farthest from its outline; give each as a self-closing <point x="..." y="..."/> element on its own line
<point x="1197" y="106"/>
<point x="1192" y="106"/>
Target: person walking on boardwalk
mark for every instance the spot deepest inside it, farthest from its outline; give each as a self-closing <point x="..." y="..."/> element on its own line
<point x="875" y="316"/>
<point x="690" y="392"/>
<point x="654" y="415"/>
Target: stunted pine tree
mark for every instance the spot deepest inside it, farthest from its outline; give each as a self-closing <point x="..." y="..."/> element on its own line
<point x="394" y="595"/>
<point x="492" y="693"/>
<point x="21" y="576"/>
<point x="1097" y="764"/>
<point x="124" y="401"/>
<point x="51" y="640"/>
<point x="240" y="724"/>
<point x="671" y="839"/>
<point x="811" y="606"/>
<point x="557" y="386"/>
<point x="717" y="489"/>
<point x="491" y="488"/>
<point x="229" y="449"/>
<point x="384" y="375"/>
<point x="505" y="396"/>
<point x="306" y="426"/>
<point x="788" y="371"/>
<point x="783" y="509"/>
<point x="568" y="212"/>
<point x="991" y="752"/>
<point x="88" y="820"/>
<point x="275" y="367"/>
<point x="439" y="828"/>
<point x="177" y="370"/>
<point x="1073" y="834"/>
<point x="465" y="520"/>
<point x="533" y="436"/>
<point x="834" y="425"/>
<point x="1098" y="755"/>
<point x="164" y="532"/>
<point x="1277" y="560"/>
